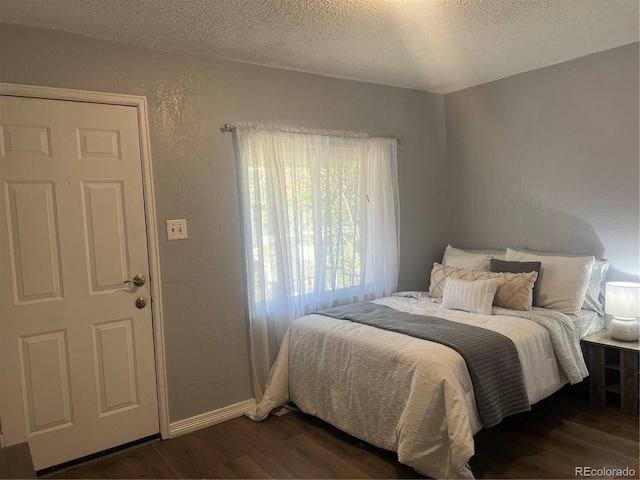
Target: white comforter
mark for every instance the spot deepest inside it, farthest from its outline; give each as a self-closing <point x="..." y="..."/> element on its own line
<point x="398" y="392"/>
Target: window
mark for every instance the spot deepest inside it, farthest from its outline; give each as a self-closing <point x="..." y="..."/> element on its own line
<point x="322" y="229"/>
<point x="320" y="218"/>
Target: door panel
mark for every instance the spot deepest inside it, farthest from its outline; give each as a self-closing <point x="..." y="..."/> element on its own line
<point x="94" y="144"/>
<point x="45" y="381"/>
<point x="107" y="248"/>
<point x="77" y="370"/>
<point x="33" y="241"/>
<point x="25" y="140"/>
<point x="116" y="374"/>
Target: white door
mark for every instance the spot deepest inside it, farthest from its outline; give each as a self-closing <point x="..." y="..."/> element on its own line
<point x="77" y="372"/>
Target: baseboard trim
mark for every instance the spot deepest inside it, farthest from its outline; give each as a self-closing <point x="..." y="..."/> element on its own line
<point x="207" y="419"/>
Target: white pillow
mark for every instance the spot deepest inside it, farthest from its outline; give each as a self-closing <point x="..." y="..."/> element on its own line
<point x="475" y="296"/>
<point x="594" y="298"/>
<point x="563" y="280"/>
<point x="469" y="259"/>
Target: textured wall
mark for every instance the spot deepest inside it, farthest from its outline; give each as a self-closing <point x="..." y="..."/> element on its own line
<point x="190" y="97"/>
<point x="549" y="160"/>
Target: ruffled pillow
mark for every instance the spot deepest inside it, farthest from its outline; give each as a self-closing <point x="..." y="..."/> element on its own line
<point x="503" y="266"/>
<point x="515" y="291"/>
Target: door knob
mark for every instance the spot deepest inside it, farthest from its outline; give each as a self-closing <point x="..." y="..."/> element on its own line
<point x="141" y="302"/>
<point x="138" y="280"/>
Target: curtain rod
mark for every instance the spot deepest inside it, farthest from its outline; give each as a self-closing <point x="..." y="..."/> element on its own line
<point x="227" y="127"/>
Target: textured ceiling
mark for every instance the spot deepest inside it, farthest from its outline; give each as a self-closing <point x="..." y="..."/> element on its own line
<point x="434" y="45"/>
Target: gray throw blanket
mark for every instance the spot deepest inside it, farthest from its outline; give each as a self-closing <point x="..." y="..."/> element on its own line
<point x="492" y="358"/>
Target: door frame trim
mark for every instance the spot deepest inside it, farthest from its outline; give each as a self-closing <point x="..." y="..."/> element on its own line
<point x="140" y="102"/>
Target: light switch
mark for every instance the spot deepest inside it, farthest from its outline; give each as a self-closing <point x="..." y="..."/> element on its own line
<point x="176" y="229"/>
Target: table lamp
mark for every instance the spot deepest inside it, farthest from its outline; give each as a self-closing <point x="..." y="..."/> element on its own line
<point x="622" y="301"/>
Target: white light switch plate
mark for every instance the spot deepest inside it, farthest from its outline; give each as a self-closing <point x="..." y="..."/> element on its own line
<point x="176" y="229"/>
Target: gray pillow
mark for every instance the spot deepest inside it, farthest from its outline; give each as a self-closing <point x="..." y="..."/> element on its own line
<point x="502" y="266"/>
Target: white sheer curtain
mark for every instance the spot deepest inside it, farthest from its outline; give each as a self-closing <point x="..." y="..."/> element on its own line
<point x="320" y="217"/>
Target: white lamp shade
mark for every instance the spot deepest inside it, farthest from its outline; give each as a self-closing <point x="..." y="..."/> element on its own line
<point x="622" y="299"/>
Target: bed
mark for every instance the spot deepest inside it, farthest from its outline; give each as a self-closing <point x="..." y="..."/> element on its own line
<point x="410" y="395"/>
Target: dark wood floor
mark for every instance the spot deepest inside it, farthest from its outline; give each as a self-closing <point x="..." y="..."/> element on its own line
<point x="559" y="434"/>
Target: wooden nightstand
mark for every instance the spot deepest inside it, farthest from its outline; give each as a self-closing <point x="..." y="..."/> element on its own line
<point x="613" y="371"/>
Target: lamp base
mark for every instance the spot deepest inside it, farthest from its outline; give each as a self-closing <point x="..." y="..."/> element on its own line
<point x="625" y="330"/>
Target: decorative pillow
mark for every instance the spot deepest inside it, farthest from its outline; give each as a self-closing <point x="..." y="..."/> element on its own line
<point x="515" y="291"/>
<point x="471" y="296"/>
<point x="563" y="280"/>
<point x="469" y="259"/>
<point x="518" y="267"/>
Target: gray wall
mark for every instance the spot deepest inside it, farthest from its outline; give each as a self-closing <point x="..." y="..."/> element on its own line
<point x="549" y="160"/>
<point x="190" y="97"/>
